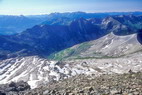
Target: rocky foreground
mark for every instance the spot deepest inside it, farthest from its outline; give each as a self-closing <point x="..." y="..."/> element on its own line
<point x="125" y="84"/>
<point x="116" y="84"/>
<point x="14" y="88"/>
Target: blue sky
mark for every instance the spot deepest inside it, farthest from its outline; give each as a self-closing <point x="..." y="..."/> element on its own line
<point x="31" y="7"/>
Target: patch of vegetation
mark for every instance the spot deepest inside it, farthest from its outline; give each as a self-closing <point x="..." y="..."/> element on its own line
<point x="82" y="47"/>
<point x="70" y="52"/>
<point x="62" y="54"/>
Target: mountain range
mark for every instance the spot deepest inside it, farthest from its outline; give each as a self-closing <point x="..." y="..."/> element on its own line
<point x="16" y="24"/>
<point x="59" y="46"/>
<point x="43" y="39"/>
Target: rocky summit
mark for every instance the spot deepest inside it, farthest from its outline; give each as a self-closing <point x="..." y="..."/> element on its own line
<point x="125" y="84"/>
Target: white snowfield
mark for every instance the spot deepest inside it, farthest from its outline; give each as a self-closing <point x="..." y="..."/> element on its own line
<point x="37" y="71"/>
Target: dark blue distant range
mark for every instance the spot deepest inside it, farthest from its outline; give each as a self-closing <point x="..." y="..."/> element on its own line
<point x="58" y="33"/>
<point x="16" y="24"/>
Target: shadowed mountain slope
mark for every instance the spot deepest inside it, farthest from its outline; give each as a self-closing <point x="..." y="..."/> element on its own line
<point x="44" y="40"/>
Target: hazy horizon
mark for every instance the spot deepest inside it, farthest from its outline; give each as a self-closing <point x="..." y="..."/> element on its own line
<point x="38" y="7"/>
<point x="66" y="12"/>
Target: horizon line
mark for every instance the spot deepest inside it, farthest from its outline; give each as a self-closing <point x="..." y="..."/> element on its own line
<point x="69" y="12"/>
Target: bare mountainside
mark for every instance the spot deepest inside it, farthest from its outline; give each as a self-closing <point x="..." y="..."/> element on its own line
<point x="116" y="54"/>
<point x="109" y="46"/>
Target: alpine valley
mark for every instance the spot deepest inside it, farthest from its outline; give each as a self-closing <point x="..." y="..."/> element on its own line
<point x="64" y="53"/>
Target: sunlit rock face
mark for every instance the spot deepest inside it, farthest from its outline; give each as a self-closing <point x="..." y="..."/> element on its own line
<point x="108" y="46"/>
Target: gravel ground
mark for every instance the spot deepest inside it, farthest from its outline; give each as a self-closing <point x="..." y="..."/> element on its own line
<point x="116" y="84"/>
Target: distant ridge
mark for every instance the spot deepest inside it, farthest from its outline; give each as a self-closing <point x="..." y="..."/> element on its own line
<point x="46" y="39"/>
